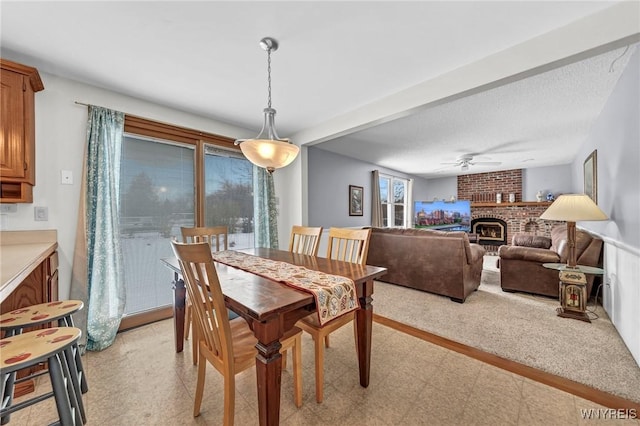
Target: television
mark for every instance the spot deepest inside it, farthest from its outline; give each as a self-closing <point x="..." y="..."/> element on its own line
<point x="443" y="215"/>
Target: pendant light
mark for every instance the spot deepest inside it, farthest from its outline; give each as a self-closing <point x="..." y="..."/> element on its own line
<point x="268" y="150"/>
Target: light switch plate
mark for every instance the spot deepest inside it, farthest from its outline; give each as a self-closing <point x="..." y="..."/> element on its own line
<point x="66" y="177"/>
<point x="41" y="213"/>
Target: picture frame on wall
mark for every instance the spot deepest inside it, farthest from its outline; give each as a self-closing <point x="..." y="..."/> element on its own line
<point x="356" y="200"/>
<point x="591" y="176"/>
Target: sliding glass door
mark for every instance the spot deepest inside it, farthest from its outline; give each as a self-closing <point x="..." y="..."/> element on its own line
<point x="160" y="183"/>
<point x="156" y="199"/>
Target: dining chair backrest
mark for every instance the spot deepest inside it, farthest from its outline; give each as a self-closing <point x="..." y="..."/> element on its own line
<point x="349" y="245"/>
<point x="216" y="236"/>
<point x="202" y="283"/>
<point x="305" y="240"/>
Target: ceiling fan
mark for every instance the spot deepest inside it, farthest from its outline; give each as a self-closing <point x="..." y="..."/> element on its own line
<point x="465" y="161"/>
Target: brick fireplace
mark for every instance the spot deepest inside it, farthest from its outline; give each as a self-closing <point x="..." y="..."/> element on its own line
<point x="519" y="216"/>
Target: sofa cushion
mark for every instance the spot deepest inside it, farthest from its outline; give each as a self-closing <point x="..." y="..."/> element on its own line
<point x="531" y="240"/>
<point x="532" y="254"/>
<point x="469" y="253"/>
<point x="559" y="239"/>
<point x="559" y="242"/>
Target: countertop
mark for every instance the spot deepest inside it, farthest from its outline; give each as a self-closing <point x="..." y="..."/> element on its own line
<point x="20" y="253"/>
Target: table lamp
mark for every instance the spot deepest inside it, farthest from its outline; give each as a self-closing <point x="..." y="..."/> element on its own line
<point x="573" y="208"/>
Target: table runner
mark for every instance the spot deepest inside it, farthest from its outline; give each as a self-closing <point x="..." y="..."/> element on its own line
<point x="334" y="295"/>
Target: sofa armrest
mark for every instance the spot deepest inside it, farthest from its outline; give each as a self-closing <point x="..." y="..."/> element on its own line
<point x="530" y="254"/>
<point x="477" y="252"/>
<point x="528" y="240"/>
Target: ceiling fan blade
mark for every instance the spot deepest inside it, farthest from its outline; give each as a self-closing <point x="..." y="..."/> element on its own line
<point x="486" y="163"/>
<point x="441" y="169"/>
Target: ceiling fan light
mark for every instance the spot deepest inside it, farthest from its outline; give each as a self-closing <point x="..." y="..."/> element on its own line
<point x="464" y="167"/>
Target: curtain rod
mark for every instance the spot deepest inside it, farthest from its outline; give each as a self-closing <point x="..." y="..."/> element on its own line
<point x="88" y="105"/>
<point x="100" y="106"/>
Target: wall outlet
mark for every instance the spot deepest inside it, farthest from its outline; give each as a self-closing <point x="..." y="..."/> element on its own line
<point x="41" y="213"/>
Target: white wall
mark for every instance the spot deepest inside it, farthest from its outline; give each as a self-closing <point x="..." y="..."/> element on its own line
<point x="291" y="190"/>
<point x="554" y="179"/>
<point x="441" y="188"/>
<point x="60" y="141"/>
<point x="616" y="136"/>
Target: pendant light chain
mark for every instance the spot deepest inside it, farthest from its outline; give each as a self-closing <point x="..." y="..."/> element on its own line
<point x="268" y="150"/>
<point x="269" y="76"/>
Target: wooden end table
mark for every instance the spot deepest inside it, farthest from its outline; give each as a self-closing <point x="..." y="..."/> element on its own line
<point x="573" y="289"/>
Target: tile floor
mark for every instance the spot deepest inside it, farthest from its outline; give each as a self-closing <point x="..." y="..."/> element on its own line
<point x="140" y="380"/>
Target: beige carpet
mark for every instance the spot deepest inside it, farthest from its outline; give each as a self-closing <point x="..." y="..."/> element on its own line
<point x="521" y="328"/>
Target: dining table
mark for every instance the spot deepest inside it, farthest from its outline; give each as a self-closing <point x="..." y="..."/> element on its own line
<point x="271" y="308"/>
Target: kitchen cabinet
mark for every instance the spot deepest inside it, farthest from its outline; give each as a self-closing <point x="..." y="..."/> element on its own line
<point x="18" y="85"/>
<point x="29" y="276"/>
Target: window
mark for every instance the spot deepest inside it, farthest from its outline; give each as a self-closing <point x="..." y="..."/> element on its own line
<point x="173" y="177"/>
<point x="229" y="195"/>
<point x="394" y="199"/>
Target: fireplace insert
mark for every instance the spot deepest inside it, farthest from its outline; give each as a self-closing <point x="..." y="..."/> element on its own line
<point x="490" y="231"/>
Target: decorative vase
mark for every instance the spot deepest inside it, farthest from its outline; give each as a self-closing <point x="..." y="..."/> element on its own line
<point x="539" y="196"/>
<point x="512" y="198"/>
<point x="498" y="198"/>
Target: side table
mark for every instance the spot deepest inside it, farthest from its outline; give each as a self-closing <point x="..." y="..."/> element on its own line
<point x="573" y="289"/>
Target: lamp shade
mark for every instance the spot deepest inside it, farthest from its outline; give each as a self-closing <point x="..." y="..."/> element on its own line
<point x="574" y="208"/>
<point x="268" y="153"/>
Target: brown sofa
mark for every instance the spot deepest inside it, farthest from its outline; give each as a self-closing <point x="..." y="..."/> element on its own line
<point x="521" y="263"/>
<point x="439" y="262"/>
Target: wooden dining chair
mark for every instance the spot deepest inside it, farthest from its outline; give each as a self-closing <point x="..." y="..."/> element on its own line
<point x="349" y="245"/>
<point x="228" y="345"/>
<point x="217" y="237"/>
<point x="305" y="240"/>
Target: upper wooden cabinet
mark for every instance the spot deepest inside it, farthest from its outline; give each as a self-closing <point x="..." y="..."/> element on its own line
<point x="18" y="84"/>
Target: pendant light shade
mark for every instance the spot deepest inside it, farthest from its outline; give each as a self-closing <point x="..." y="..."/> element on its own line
<point x="268" y="150"/>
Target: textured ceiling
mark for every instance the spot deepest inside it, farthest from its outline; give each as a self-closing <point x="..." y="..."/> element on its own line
<point x="335" y="60"/>
<point x="538" y="121"/>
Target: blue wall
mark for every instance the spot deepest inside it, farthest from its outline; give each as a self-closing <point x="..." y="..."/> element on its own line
<point x="329" y="178"/>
